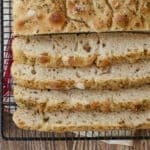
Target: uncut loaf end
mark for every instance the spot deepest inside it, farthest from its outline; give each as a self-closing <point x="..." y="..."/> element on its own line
<point x="69" y="16"/>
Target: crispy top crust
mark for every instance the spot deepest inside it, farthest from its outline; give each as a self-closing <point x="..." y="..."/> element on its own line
<point x="59" y="16"/>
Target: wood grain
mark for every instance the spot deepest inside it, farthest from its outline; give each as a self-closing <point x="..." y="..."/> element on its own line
<point x="74" y="145"/>
<point x="68" y="145"/>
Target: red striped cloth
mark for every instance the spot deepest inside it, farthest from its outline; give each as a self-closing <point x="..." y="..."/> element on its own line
<point x="7" y="61"/>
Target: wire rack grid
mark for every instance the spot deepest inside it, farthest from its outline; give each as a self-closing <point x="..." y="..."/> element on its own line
<point x="8" y="130"/>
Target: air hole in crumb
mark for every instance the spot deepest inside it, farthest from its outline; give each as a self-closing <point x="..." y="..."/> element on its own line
<point x="104" y="45"/>
<point x="94" y="115"/>
<point x="59" y="122"/>
<point x="61" y="111"/>
<point x="87" y="47"/>
<point x="46" y="119"/>
<point x="81" y="42"/>
<point x="27" y="40"/>
<point x="121" y="122"/>
<point x="84" y="121"/>
<point x="61" y="37"/>
<point x="129" y="50"/>
<point x="38" y="111"/>
<point x="33" y="71"/>
<point x="148" y="119"/>
<point x="96" y="72"/>
<point x="54" y="69"/>
<point x="137" y="24"/>
<point x="137" y="70"/>
<point x="37" y="31"/>
<point x="145" y="52"/>
<point x="130" y="117"/>
<point x="98" y="42"/>
<point x="35" y="92"/>
<point x="77" y="75"/>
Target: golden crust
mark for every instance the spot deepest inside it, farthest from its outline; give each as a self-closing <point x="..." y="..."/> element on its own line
<point x="59" y="16"/>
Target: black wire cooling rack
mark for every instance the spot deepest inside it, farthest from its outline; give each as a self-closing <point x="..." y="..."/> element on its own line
<point x="8" y="130"/>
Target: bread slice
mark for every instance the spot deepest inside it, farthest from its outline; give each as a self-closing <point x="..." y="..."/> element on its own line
<point x="56" y="50"/>
<point x="62" y="121"/>
<point x="119" y="76"/>
<point x="72" y="50"/>
<point x="83" y="100"/>
<point x="119" y="48"/>
<point x="63" y="16"/>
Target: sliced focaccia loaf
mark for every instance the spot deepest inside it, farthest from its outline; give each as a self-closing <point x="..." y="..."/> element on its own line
<point x="119" y="76"/>
<point x="62" y="121"/>
<point x="83" y="100"/>
<point x="63" y="16"/>
<point x="81" y="50"/>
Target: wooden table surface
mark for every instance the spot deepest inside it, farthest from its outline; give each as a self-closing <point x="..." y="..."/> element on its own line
<point x="69" y="145"/>
<point x="72" y="145"/>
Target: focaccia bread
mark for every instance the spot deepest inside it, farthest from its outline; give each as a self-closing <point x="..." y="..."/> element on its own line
<point x="63" y="16"/>
<point x="134" y="99"/>
<point x="118" y="76"/>
<point x="65" y="121"/>
<point x="72" y="50"/>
